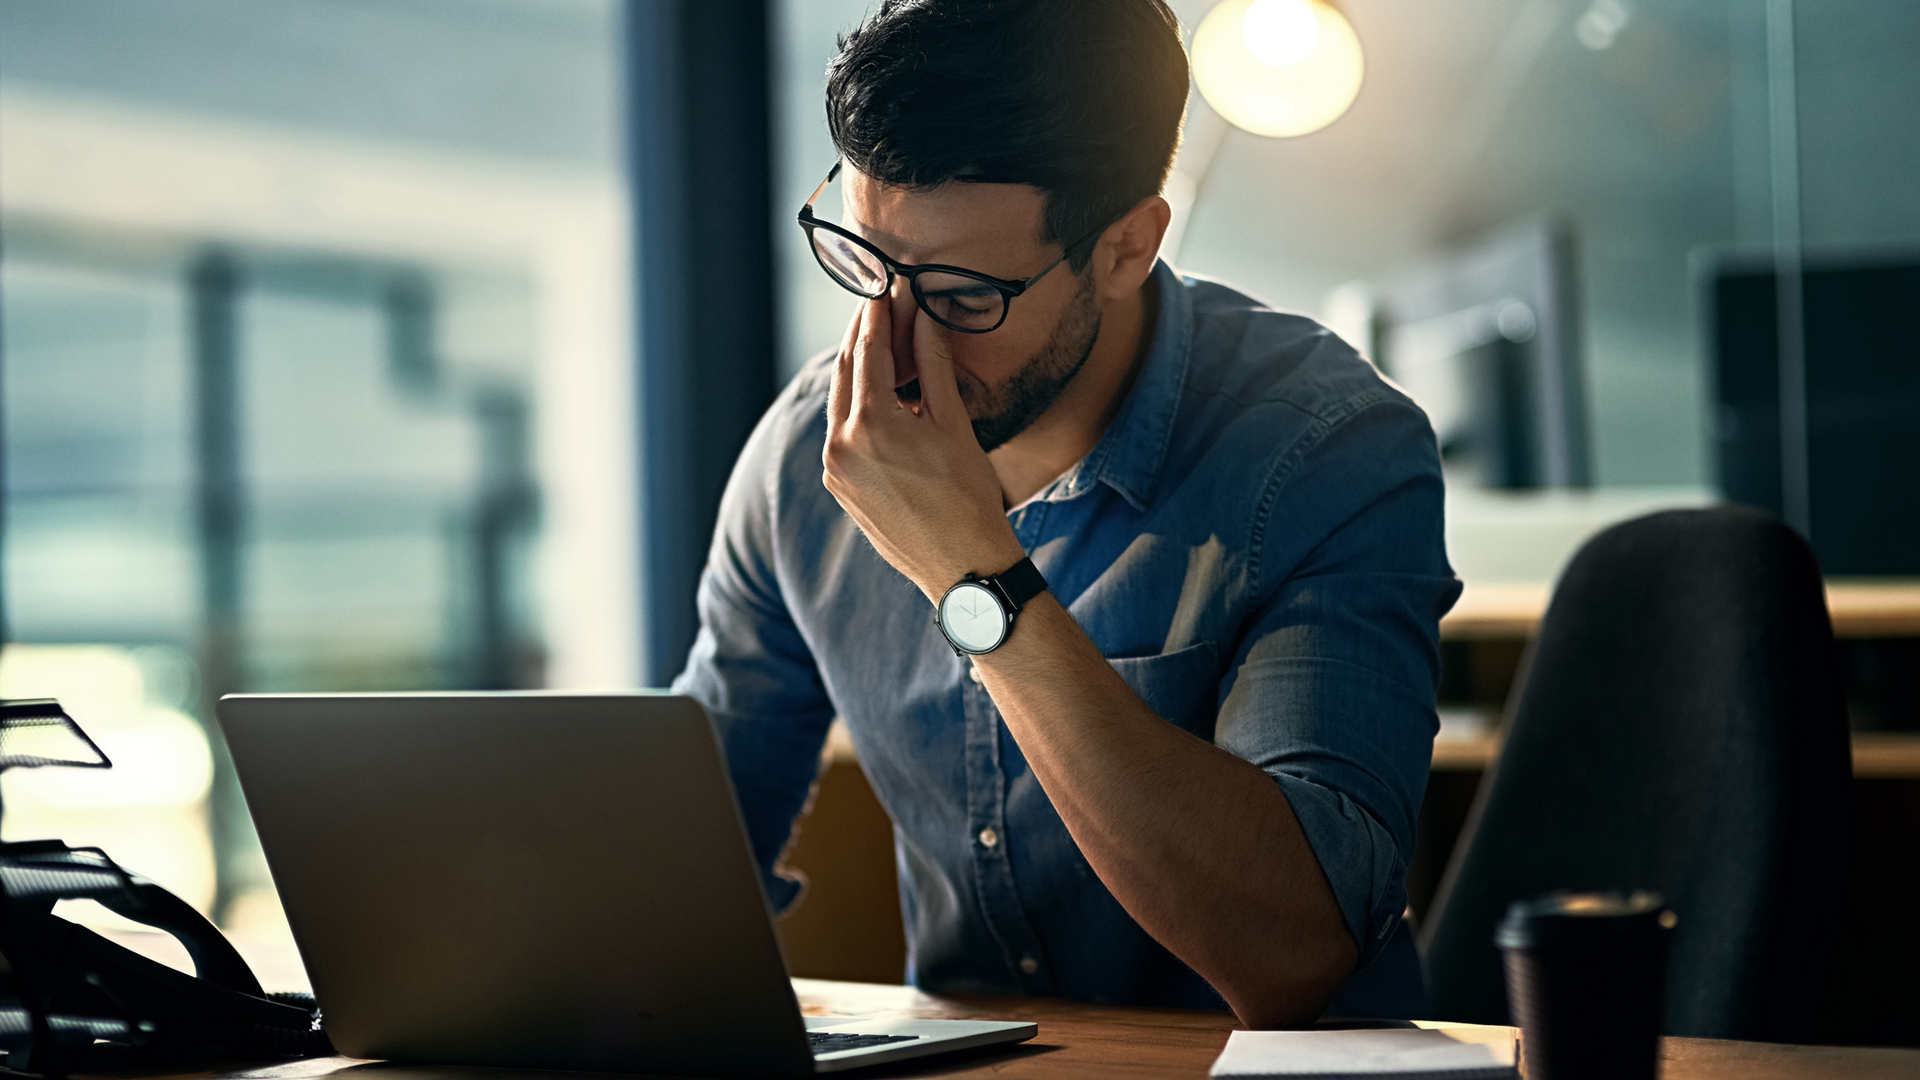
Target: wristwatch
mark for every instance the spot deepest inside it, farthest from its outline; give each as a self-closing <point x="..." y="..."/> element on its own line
<point x="976" y="614"/>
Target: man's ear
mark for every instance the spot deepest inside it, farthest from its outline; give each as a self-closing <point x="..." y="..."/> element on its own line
<point x="1127" y="250"/>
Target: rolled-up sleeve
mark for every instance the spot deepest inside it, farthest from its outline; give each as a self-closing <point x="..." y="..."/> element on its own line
<point x="1332" y="688"/>
<point x="750" y="666"/>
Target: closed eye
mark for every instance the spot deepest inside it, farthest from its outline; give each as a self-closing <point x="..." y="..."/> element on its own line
<point x="979" y="298"/>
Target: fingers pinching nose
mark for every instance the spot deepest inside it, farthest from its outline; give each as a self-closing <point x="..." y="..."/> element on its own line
<point x="939" y="387"/>
<point x="873" y="357"/>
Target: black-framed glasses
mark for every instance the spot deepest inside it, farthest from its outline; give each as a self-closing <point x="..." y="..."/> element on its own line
<point x="959" y="299"/>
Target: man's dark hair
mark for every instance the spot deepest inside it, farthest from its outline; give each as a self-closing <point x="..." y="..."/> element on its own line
<point x="1079" y="98"/>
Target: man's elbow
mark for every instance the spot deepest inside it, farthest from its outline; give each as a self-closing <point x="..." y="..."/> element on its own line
<point x="1292" y="991"/>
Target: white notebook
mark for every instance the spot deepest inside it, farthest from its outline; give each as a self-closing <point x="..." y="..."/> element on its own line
<point x="1452" y="1051"/>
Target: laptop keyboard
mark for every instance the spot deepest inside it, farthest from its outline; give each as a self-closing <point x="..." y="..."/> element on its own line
<point x="828" y="1042"/>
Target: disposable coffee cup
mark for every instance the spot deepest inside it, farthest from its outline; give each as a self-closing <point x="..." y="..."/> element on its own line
<point x="1586" y="980"/>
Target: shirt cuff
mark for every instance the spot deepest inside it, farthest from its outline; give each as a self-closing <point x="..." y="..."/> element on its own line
<point x="1362" y="864"/>
<point x="782" y="891"/>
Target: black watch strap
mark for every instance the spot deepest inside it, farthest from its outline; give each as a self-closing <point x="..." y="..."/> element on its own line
<point x="1019" y="584"/>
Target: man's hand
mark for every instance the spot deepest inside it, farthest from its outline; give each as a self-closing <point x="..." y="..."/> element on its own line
<point x="913" y="477"/>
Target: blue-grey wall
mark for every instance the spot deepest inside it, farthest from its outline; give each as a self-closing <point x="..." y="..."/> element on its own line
<point x="530" y="78"/>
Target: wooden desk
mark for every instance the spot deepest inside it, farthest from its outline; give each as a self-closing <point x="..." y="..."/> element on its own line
<point x="1860" y="608"/>
<point x="1092" y="1042"/>
<point x="1876" y="755"/>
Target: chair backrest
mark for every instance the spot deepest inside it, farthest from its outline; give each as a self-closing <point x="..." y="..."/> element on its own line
<point x="1680" y="726"/>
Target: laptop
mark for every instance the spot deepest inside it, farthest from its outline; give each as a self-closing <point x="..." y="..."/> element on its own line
<point x="536" y="880"/>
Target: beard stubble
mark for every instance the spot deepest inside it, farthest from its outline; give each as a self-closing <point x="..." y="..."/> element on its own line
<point x="1003" y="412"/>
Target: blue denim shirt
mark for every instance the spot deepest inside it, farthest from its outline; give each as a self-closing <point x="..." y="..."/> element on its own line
<point x="1255" y="544"/>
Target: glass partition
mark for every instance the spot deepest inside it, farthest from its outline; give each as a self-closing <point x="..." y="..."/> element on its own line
<point x="1642" y="128"/>
<point x="317" y="377"/>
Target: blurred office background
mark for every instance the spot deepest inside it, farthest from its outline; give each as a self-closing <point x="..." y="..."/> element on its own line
<point x="316" y="353"/>
<point x="333" y="353"/>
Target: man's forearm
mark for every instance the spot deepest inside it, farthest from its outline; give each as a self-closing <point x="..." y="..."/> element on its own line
<point x="1198" y="845"/>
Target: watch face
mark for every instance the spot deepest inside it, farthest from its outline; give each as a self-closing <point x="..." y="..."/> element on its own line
<point x="972" y="617"/>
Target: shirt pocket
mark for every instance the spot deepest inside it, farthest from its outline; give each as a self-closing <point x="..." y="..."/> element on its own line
<point x="1182" y="687"/>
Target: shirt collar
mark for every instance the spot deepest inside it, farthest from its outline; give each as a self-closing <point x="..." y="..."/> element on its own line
<point x="1127" y="458"/>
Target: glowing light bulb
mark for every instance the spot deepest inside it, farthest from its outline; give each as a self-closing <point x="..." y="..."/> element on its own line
<point x="1280" y="32"/>
<point x="1277" y="67"/>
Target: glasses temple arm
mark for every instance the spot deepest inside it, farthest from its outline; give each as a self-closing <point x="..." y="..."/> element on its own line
<point x="815" y="197"/>
<point x="1064" y="252"/>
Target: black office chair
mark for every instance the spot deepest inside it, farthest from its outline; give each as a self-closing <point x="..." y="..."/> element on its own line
<point x="1680" y="727"/>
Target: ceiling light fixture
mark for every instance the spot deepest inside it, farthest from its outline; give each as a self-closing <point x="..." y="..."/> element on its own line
<point x="1277" y="67"/>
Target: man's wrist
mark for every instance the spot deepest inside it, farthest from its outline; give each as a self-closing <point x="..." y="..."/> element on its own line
<point x="992" y="559"/>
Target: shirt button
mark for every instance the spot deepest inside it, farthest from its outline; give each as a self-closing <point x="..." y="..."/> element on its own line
<point x="989" y="838"/>
<point x="973" y="672"/>
<point x="1029" y="965"/>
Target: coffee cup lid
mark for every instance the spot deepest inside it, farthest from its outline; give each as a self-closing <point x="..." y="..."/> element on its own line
<point x="1534" y="923"/>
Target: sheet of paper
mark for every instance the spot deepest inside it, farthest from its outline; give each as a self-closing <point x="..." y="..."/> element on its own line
<point x="1468" y="1053"/>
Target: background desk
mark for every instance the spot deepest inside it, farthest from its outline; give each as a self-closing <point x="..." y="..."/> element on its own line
<point x="1092" y="1042"/>
<point x="1860" y="608"/>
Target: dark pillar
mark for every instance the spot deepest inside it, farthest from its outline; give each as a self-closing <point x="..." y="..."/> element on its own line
<point x="697" y="126"/>
<point x="214" y="285"/>
<point x="6" y="627"/>
<point x="504" y="657"/>
<point x="497" y="653"/>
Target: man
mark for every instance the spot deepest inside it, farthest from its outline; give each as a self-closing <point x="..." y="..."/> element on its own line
<point x="1177" y="758"/>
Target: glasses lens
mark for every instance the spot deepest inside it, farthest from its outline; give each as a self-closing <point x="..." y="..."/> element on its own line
<point x="850" y="264"/>
<point x="964" y="303"/>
